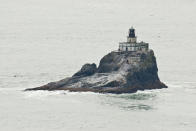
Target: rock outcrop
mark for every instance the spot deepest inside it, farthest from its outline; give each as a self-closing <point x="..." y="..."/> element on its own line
<point x="118" y="72"/>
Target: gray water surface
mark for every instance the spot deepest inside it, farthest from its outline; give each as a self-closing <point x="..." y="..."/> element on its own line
<point x="45" y="40"/>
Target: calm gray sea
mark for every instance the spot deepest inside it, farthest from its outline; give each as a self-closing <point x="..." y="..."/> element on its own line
<point x="46" y="40"/>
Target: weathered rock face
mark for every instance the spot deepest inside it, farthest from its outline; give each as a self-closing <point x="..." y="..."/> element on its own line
<point x="118" y="72"/>
<point x="86" y="70"/>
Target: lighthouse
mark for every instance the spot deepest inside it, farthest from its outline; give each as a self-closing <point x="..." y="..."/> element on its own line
<point x="131" y="38"/>
<point x="132" y="45"/>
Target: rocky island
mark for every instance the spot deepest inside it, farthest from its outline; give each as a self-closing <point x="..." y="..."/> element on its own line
<point x="131" y="68"/>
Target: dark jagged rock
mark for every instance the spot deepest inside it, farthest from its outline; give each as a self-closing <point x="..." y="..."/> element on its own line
<point x="87" y="70"/>
<point x="118" y="72"/>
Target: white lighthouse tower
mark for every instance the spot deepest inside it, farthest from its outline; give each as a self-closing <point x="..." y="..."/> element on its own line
<point x="131" y="38"/>
<point x="132" y="44"/>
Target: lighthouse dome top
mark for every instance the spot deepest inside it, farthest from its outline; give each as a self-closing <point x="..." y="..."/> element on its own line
<point x="131" y="32"/>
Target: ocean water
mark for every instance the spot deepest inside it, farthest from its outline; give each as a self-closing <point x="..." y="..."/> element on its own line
<point x="45" y="40"/>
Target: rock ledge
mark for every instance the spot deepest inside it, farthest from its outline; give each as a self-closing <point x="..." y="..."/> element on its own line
<point x="118" y="72"/>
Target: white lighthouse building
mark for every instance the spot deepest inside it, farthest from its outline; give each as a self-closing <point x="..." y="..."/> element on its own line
<point x="132" y="44"/>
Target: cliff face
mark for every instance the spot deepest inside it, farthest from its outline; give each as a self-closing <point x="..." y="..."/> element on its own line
<point x="118" y="72"/>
